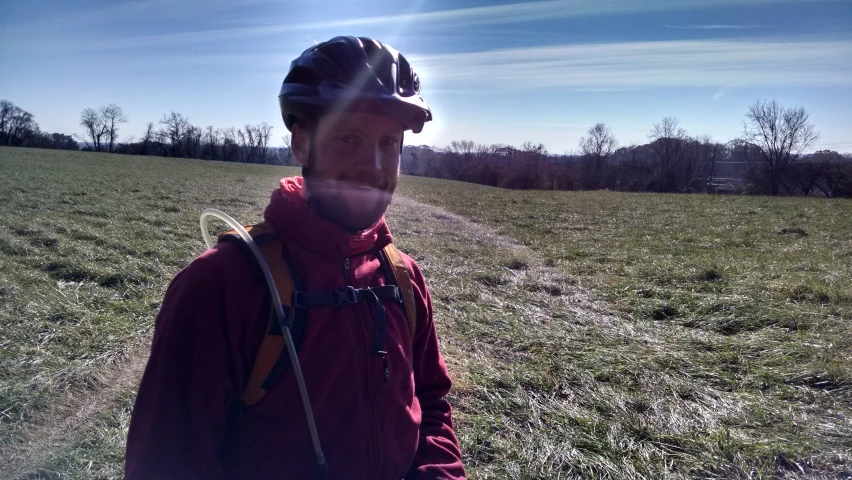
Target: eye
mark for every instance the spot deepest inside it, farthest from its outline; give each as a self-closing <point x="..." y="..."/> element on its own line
<point x="348" y="139"/>
<point x="388" y="142"/>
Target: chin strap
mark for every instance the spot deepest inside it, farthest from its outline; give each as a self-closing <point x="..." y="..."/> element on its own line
<point x="306" y="168"/>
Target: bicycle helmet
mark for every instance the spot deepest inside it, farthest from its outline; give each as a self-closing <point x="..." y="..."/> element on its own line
<point x="347" y="72"/>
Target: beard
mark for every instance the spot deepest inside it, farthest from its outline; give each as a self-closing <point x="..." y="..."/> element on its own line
<point x="354" y="204"/>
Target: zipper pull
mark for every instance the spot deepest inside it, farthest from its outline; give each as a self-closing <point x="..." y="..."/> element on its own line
<point x="346" y="271"/>
<point x="384" y="356"/>
<point x="387" y="369"/>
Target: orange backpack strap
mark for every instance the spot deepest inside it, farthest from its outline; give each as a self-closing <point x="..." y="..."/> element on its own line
<point x="403" y="281"/>
<point x="272" y="360"/>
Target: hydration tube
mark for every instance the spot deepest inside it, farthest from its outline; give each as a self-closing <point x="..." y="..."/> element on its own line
<point x="279" y="311"/>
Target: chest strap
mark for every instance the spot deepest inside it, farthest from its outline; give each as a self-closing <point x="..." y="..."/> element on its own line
<point x="271" y="361"/>
<point x="351" y="296"/>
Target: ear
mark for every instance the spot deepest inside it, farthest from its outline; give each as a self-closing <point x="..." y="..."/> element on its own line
<point x="300" y="142"/>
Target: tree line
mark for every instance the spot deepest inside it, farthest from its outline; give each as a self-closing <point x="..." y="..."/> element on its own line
<point x="769" y="158"/>
<point x="18" y="128"/>
<point x="175" y="136"/>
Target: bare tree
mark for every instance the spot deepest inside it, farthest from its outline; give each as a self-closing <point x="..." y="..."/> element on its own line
<point x="262" y="133"/>
<point x="707" y="155"/>
<point x="17" y="126"/>
<point x="93" y="122"/>
<point x="174" y="129"/>
<point x="781" y="135"/>
<point x="633" y="168"/>
<point x="418" y="160"/>
<point x="210" y="143"/>
<point x="101" y="127"/>
<point x="111" y="115"/>
<point x="253" y="140"/>
<point x="230" y="147"/>
<point x="245" y="153"/>
<point x="816" y="174"/>
<point x="535" y="155"/>
<point x="457" y="155"/>
<point x="192" y="142"/>
<point x="147" y="139"/>
<point x="595" y="148"/>
<point x="286" y="152"/>
<point x="668" y="142"/>
<point x="463" y="147"/>
<point x="7" y="111"/>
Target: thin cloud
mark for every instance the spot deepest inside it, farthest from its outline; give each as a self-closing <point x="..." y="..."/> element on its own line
<point x="137" y="11"/>
<point x="713" y="27"/>
<point x="468" y="17"/>
<point x="721" y="93"/>
<point x="693" y="63"/>
<point x="606" y="67"/>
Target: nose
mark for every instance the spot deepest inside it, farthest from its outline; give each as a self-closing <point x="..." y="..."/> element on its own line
<point x="376" y="156"/>
<point x="367" y="167"/>
<point x="370" y="158"/>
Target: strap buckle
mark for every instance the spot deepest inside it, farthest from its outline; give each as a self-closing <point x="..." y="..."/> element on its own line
<point x="343" y="296"/>
<point x="299" y="299"/>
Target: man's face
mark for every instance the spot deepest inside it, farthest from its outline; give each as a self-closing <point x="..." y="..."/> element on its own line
<point x="355" y="168"/>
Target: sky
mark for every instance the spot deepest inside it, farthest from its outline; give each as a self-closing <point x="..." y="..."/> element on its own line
<point x="491" y="71"/>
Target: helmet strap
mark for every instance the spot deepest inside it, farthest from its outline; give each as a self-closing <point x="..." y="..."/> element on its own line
<point x="311" y="149"/>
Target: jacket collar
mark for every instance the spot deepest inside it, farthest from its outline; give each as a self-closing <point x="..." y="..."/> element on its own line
<point x="289" y="214"/>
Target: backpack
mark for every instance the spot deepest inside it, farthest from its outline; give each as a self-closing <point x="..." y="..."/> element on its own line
<point x="272" y="360"/>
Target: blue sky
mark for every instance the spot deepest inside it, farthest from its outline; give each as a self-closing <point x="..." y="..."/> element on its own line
<point x="497" y="71"/>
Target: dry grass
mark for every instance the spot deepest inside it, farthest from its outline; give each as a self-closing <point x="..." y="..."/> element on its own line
<point x="590" y="335"/>
<point x="651" y="383"/>
<point x="88" y="245"/>
<point x="45" y="437"/>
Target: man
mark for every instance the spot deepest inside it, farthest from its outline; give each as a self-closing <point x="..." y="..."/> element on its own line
<point x="347" y="103"/>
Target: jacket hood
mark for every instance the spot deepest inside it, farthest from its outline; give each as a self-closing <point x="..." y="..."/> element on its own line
<point x="289" y="214"/>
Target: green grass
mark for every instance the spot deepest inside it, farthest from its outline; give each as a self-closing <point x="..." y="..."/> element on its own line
<point x="731" y="356"/>
<point x="88" y="245"/>
<point x="590" y="334"/>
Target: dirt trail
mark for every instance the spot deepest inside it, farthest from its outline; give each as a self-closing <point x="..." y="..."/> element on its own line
<point x="482" y="232"/>
<point x="575" y="298"/>
<point x="73" y="414"/>
<point x="70" y="416"/>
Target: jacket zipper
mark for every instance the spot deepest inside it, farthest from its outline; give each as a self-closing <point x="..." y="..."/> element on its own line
<point x="375" y="460"/>
<point x="346" y="279"/>
<point x="373" y="444"/>
<point x="347" y="262"/>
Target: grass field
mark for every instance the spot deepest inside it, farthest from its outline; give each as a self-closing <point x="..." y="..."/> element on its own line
<point x="590" y="334"/>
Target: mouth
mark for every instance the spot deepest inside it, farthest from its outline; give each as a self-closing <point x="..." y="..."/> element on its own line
<point x="361" y="187"/>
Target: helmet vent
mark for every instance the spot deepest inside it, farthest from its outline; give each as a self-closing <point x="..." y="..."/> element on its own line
<point x="325" y="68"/>
<point x="302" y="75"/>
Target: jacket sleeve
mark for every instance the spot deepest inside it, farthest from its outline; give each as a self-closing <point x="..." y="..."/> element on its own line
<point x="179" y="420"/>
<point x="438" y="453"/>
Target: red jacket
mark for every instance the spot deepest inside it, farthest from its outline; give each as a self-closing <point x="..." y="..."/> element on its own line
<point x="205" y="341"/>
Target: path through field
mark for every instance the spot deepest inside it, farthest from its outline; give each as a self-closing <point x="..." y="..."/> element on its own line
<point x="549" y="382"/>
<point x="70" y="419"/>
